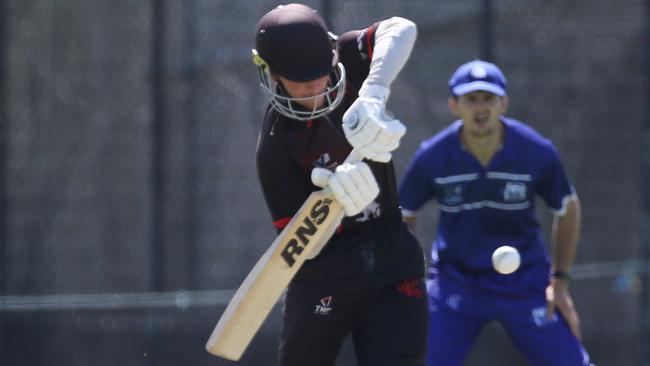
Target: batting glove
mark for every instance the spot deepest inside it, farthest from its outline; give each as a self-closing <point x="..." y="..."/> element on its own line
<point x="369" y="128"/>
<point x="352" y="185"/>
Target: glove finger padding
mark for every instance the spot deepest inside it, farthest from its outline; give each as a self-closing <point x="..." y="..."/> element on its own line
<point x="353" y="191"/>
<point x="353" y="186"/>
<point x="320" y="177"/>
<point x="366" y="135"/>
<point x="342" y="196"/>
<point x="363" y="178"/>
<point x="371" y="130"/>
<point x="391" y="133"/>
<point x="385" y="142"/>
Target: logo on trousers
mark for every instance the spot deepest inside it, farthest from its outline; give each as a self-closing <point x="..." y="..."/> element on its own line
<point x="324" y="308"/>
<point x="540" y="317"/>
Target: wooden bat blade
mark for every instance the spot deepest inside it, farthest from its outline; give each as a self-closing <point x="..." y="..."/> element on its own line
<point x="312" y="225"/>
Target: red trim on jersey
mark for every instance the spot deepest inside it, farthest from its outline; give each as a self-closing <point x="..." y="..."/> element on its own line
<point x="369" y="35"/>
<point x="310" y="122"/>
<point x="410" y="288"/>
<point x="282" y="223"/>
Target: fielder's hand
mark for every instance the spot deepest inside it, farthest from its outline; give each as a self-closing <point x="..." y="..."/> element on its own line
<point x="352" y="185"/>
<point x="558" y="297"/>
<point x="368" y="127"/>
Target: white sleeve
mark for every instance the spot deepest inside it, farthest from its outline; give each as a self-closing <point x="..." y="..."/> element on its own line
<point x="394" y="40"/>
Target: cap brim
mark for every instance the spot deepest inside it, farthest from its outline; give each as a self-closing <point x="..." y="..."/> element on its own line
<point x="476" y="86"/>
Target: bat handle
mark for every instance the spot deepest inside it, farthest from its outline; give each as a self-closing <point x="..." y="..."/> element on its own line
<point x="354" y="156"/>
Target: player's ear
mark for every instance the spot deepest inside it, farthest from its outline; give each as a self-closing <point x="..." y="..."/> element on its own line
<point x="505" y="103"/>
<point x="278" y="80"/>
<point x="452" y="102"/>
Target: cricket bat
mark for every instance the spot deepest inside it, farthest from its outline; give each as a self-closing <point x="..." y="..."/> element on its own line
<point x="305" y="235"/>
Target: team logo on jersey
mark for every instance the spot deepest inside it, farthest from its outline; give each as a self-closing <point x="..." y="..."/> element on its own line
<point x="540" y="318"/>
<point x="514" y="192"/>
<point x="453" y="195"/>
<point x="325" y="161"/>
<point x="324" y="308"/>
<point x="453" y="301"/>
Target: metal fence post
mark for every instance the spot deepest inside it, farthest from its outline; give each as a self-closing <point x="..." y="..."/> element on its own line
<point x="157" y="182"/>
<point x="486" y="29"/>
<point x="4" y="136"/>
<point x="192" y="170"/>
<point x="645" y="199"/>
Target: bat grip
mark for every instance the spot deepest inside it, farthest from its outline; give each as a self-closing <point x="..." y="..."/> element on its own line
<point x="354" y="156"/>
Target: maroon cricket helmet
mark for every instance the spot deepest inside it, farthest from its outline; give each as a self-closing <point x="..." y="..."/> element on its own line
<point x="293" y="39"/>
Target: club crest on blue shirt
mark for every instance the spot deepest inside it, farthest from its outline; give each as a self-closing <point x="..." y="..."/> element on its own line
<point x="514" y="192"/>
<point x="453" y="301"/>
<point x="453" y="195"/>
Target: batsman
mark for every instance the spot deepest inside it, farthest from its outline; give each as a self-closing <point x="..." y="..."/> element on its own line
<point x="327" y="96"/>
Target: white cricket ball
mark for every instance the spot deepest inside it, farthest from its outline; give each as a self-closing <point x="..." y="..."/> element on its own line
<point x="506" y="259"/>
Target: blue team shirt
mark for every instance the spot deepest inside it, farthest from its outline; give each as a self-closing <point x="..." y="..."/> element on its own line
<point x="483" y="208"/>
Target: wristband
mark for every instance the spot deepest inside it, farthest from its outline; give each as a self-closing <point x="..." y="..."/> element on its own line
<point x="561" y="275"/>
<point x="376" y="91"/>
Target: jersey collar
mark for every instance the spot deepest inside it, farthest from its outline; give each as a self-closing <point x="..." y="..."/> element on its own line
<point x="506" y="147"/>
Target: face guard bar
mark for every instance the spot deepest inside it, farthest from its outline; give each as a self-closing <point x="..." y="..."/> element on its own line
<point x="290" y="106"/>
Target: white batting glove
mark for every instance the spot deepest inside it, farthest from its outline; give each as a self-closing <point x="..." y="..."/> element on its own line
<point x="369" y="128"/>
<point x="352" y="185"/>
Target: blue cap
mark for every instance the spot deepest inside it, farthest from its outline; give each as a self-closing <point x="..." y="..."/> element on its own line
<point x="478" y="75"/>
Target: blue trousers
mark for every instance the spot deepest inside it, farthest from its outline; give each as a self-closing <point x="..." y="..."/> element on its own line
<point x="460" y="305"/>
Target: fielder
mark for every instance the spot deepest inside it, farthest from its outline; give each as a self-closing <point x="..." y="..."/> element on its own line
<point x="484" y="172"/>
<point x="326" y="96"/>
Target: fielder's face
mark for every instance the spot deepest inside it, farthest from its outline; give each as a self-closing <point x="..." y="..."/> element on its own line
<point x="307" y="90"/>
<point x="480" y="111"/>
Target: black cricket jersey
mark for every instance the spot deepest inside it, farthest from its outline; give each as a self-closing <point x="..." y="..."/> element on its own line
<point x="373" y="243"/>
